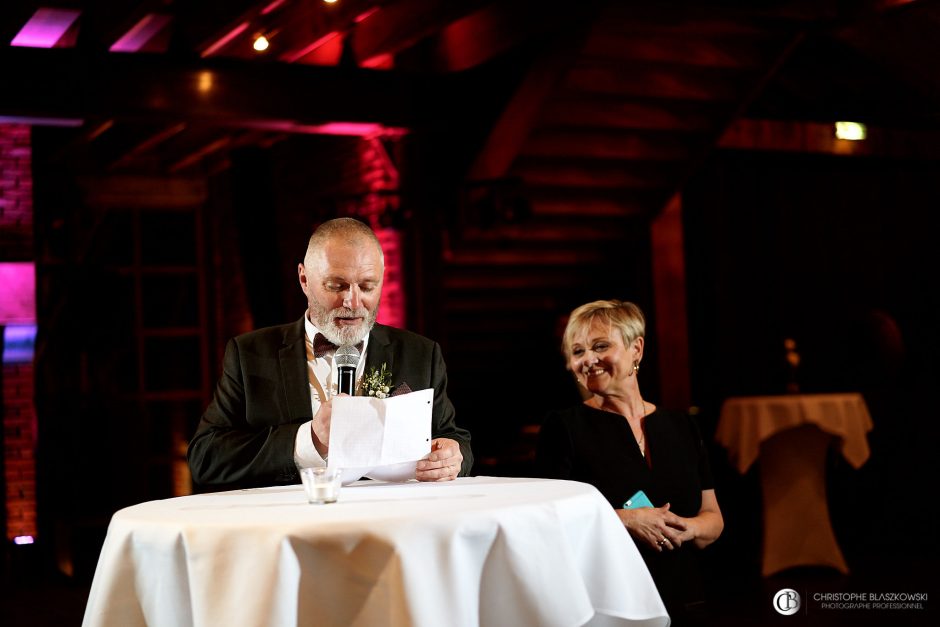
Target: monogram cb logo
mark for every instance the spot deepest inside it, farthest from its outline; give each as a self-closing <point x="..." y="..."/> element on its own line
<point x="787" y="601"/>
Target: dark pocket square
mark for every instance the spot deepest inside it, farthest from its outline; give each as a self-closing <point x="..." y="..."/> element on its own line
<point x="403" y="388"/>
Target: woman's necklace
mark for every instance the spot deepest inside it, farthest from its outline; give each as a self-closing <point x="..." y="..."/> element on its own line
<point x="642" y="438"/>
<point x="598" y="404"/>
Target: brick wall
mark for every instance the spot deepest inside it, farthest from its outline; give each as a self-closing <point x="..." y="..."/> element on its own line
<point x="18" y="410"/>
<point x="19" y="443"/>
<point x="377" y="173"/>
<point x="16" y="194"/>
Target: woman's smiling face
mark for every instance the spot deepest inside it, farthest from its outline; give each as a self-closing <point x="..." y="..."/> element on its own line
<point x="600" y="357"/>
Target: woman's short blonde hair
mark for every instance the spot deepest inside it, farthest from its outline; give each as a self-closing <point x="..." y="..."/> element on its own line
<point x="622" y="315"/>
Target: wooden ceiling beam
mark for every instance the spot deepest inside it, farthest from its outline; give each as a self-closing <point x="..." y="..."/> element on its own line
<point x="72" y="86"/>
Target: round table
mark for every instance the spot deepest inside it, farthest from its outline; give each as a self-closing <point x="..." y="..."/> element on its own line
<point x="475" y="551"/>
<point x="791" y="434"/>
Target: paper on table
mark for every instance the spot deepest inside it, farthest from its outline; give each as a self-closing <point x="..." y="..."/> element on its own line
<point x="380" y="438"/>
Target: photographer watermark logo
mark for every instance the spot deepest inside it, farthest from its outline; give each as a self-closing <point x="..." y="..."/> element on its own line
<point x="787" y="601"/>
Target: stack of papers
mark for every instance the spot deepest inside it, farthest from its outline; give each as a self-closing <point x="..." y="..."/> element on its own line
<point x="380" y="438"/>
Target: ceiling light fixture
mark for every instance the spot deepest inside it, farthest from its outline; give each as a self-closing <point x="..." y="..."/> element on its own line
<point x="261" y="43"/>
<point x="852" y="131"/>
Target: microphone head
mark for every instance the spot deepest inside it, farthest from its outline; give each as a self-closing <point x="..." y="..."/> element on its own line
<point x="346" y="356"/>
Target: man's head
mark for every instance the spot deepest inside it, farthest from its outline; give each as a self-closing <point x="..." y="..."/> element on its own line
<point x="342" y="278"/>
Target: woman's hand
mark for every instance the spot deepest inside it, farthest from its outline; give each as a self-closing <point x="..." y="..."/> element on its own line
<point x="656" y="527"/>
<point x="701" y="530"/>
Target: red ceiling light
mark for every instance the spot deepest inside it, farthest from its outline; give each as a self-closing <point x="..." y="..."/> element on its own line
<point x="384" y="61"/>
<point x="272" y="6"/>
<point x="46" y="28"/>
<point x="365" y="15"/>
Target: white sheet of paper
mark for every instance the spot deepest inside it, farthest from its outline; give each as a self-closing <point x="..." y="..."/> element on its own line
<point x="380" y="438"/>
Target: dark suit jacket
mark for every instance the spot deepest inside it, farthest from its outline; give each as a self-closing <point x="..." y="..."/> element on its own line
<point x="246" y="436"/>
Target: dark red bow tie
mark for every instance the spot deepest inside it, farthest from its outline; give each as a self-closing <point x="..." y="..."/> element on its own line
<point x="323" y="347"/>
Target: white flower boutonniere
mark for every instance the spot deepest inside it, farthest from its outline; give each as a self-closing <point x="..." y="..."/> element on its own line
<point x="377" y="383"/>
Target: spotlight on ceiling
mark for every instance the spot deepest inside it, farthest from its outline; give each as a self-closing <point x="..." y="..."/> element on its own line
<point x="261" y="43"/>
<point x="852" y="131"/>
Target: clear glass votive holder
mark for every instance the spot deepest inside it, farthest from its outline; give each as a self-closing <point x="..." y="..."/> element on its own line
<point x="321" y="484"/>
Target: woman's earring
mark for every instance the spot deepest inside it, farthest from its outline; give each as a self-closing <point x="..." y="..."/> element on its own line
<point x="636" y="366"/>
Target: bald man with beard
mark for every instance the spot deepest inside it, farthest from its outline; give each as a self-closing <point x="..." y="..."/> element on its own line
<point x="271" y="411"/>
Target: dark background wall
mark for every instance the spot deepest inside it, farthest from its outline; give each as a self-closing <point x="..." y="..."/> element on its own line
<point x="836" y="253"/>
<point x="148" y="259"/>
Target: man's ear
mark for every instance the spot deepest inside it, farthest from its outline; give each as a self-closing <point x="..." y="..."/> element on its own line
<point x="302" y="277"/>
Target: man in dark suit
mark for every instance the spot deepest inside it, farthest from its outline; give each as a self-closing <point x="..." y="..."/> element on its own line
<point x="272" y="406"/>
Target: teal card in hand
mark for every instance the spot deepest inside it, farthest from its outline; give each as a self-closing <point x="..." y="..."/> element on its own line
<point x="637" y="500"/>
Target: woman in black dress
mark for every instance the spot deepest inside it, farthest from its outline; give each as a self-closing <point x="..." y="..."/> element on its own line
<point x="623" y="444"/>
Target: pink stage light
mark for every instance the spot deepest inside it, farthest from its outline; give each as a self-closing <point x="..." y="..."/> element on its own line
<point x="45" y="28"/>
<point x="23" y="540"/>
<point x="272" y="6"/>
<point x="357" y="129"/>
<point x="225" y="39"/>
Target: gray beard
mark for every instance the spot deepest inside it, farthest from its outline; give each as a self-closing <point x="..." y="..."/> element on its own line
<point x="343" y="336"/>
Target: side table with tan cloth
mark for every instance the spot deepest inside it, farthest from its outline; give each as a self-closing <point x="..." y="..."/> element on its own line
<point x="791" y="434"/>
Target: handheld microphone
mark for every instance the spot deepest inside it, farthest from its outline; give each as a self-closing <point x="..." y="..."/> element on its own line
<point x="347" y="358"/>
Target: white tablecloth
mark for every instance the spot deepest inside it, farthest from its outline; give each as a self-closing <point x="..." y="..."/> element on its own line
<point x="476" y="551"/>
<point x="746" y="422"/>
<point x="791" y="434"/>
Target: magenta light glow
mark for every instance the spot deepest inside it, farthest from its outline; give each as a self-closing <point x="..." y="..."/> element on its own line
<point x="18" y="298"/>
<point x="23" y="540"/>
<point x="140" y="33"/>
<point x="356" y="129"/>
<point x="45" y="28"/>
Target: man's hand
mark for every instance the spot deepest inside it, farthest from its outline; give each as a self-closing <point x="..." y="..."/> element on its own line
<point x="442" y="463"/>
<point x="320" y="428"/>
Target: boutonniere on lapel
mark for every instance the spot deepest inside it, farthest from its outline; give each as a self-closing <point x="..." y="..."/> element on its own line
<point x="377" y="383"/>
